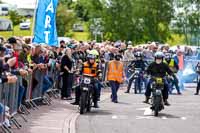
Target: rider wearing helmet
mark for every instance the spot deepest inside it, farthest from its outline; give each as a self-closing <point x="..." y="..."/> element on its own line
<point x="90" y="68"/>
<point x="174" y="68"/>
<point x="138" y="63"/>
<point x="158" y="69"/>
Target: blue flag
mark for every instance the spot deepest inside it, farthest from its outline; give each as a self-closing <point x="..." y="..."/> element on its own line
<point x="45" y="23"/>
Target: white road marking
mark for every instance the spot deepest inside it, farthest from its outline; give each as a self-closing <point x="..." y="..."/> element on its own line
<point x="148" y="111"/>
<point x="114" y="117"/>
<point x="164" y="118"/>
<point x="144" y="117"/>
<point x="183" y="118"/>
<point x="142" y="108"/>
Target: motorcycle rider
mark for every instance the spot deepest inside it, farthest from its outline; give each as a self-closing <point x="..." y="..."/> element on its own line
<point x="90" y="68"/>
<point x="158" y="69"/>
<point x="138" y="63"/>
<point x="174" y="68"/>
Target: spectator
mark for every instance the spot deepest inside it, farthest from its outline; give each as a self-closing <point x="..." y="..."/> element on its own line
<point x="66" y="69"/>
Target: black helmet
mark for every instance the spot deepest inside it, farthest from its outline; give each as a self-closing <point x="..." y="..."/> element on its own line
<point x="138" y="54"/>
<point x="168" y="56"/>
<point x="118" y="57"/>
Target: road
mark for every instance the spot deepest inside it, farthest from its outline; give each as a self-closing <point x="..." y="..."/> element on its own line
<point x="130" y="115"/>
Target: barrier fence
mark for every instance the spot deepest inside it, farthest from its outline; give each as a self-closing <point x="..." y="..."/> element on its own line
<point x="26" y="90"/>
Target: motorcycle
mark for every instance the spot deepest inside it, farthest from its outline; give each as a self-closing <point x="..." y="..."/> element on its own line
<point x="136" y="76"/>
<point x="87" y="91"/>
<point x="157" y="98"/>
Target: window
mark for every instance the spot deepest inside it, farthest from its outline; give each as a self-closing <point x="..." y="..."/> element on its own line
<point x="4" y="9"/>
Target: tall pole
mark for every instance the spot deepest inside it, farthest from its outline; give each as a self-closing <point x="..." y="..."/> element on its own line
<point x="34" y="16"/>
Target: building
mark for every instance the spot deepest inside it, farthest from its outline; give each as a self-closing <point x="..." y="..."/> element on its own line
<point x="23" y="7"/>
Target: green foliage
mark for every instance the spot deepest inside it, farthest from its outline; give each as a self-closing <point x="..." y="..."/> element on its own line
<point x="87" y="9"/>
<point x="176" y="39"/>
<point x="65" y="19"/>
<point x="15" y="18"/>
<point x="188" y="21"/>
<point x="138" y="20"/>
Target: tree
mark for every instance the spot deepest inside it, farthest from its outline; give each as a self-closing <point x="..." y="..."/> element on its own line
<point x="88" y="9"/>
<point x="67" y="3"/>
<point x="15" y="18"/>
<point x="64" y="19"/>
<point x="188" y="20"/>
<point x="138" y="20"/>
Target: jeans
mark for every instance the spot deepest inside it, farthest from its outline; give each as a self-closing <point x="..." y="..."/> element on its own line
<point x="21" y="93"/>
<point x="98" y="86"/>
<point x="175" y="83"/>
<point x="115" y="87"/>
<point x="138" y="83"/>
<point x="1" y="108"/>
<point x="46" y="84"/>
<point x="164" y="91"/>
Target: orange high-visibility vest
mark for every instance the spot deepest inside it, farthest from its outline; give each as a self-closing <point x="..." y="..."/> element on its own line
<point x="115" y="71"/>
<point x="90" y="71"/>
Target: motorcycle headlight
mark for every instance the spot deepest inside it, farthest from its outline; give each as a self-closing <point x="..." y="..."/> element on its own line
<point x="85" y="89"/>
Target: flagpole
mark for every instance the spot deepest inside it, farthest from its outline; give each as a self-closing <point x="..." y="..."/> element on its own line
<point x="34" y="16"/>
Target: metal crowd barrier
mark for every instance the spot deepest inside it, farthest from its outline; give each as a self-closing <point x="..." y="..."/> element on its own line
<point x="9" y="97"/>
<point x="36" y="92"/>
<point x="53" y="73"/>
<point x="2" y="107"/>
<point x="9" y="101"/>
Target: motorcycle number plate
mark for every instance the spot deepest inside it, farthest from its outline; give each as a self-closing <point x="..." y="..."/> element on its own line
<point x="87" y="81"/>
<point x="158" y="91"/>
<point x="159" y="80"/>
<point x="85" y="89"/>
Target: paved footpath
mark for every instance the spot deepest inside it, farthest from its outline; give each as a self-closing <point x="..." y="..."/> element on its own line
<point x="60" y="117"/>
<point x="50" y="119"/>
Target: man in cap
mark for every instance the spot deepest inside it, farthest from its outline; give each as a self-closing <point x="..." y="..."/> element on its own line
<point x="128" y="55"/>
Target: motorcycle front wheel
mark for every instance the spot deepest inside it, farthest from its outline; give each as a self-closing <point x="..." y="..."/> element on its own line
<point x="157" y="104"/>
<point x="83" y="100"/>
<point x="89" y="105"/>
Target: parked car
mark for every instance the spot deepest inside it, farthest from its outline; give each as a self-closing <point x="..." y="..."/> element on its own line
<point x="78" y="28"/>
<point x="25" y="25"/>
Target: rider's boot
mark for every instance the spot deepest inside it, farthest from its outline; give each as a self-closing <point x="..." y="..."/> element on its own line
<point x="146" y="100"/>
